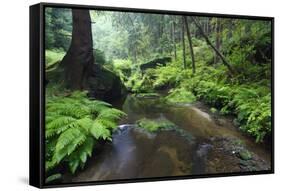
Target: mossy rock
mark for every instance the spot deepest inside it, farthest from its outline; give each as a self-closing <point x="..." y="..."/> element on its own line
<point x="105" y="85"/>
<point x="245" y="155"/>
<point x="213" y="110"/>
<point x="155" y="62"/>
<point x="180" y="95"/>
<point x="156" y="124"/>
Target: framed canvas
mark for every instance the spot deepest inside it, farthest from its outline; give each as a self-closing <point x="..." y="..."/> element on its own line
<point x="131" y="95"/>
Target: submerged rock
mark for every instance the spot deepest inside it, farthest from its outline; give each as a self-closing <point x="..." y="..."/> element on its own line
<point x="153" y="125"/>
<point x="245" y="155"/>
<point x="203" y="150"/>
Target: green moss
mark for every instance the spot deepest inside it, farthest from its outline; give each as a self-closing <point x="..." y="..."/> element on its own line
<point x="213" y="110"/>
<point x="180" y="95"/>
<point x="53" y="56"/>
<point x="245" y="155"/>
<point x="155" y="125"/>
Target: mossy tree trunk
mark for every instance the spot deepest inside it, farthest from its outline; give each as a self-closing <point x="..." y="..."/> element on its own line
<point x="79" y="59"/>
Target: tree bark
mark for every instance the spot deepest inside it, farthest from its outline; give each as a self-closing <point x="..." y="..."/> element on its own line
<point x="174" y="40"/>
<point x="218" y="39"/>
<point x="207" y="23"/>
<point x="225" y="62"/>
<point x="190" y="44"/>
<point x="79" y="59"/>
<point x="183" y="45"/>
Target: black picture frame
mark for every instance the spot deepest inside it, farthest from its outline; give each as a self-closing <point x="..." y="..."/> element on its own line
<point x="37" y="93"/>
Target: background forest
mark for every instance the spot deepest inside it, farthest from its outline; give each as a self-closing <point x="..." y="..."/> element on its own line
<point x="222" y="62"/>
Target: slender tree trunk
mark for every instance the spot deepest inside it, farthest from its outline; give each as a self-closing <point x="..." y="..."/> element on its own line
<point x="225" y="62"/>
<point x="207" y="23"/>
<point x="160" y="33"/>
<point x="190" y="44"/>
<point x="183" y="45"/>
<point x="230" y="28"/>
<point x="218" y="39"/>
<point x="174" y="40"/>
<point x="79" y="59"/>
<point x="135" y="54"/>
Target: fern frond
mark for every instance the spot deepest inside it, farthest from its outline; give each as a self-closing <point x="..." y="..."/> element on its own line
<point x="58" y="125"/>
<point x="111" y="114"/>
<point x="99" y="130"/>
<point x="73" y="125"/>
<point x="79" y="157"/>
<point x="67" y="143"/>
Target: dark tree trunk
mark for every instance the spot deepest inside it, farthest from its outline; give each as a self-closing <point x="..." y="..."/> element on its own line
<point x="161" y="31"/>
<point x="218" y="39"/>
<point x="224" y="61"/>
<point x="183" y="45"/>
<point x="230" y="28"/>
<point x="174" y="40"/>
<point x="207" y="24"/>
<point x="190" y="44"/>
<point x="79" y="59"/>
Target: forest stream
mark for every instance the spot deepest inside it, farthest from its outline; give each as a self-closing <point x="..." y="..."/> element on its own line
<point x="202" y="143"/>
<point x="133" y="95"/>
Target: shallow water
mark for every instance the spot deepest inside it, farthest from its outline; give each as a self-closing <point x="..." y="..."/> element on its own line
<point x="202" y="144"/>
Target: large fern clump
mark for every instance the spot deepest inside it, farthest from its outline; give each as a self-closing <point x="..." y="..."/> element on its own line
<point x="74" y="124"/>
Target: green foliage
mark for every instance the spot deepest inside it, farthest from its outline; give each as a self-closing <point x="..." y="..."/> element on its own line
<point x="202" y="52"/>
<point x="58" y="28"/>
<point x="53" y="57"/>
<point x="74" y="124"/>
<point x="140" y="83"/>
<point x="129" y="39"/>
<point x="122" y="67"/>
<point x="166" y="76"/>
<point x="53" y="178"/>
<point x="213" y="110"/>
<point x="156" y="124"/>
<point x="180" y="95"/>
<point x="245" y="155"/>
<point x="251" y="103"/>
<point x="253" y="108"/>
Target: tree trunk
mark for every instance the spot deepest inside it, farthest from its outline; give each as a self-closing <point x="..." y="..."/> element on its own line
<point x="133" y="40"/>
<point x="207" y="23"/>
<point x="218" y="36"/>
<point x="161" y="31"/>
<point x="190" y="44"/>
<point x="232" y="71"/>
<point x="216" y="41"/>
<point x="79" y="59"/>
<point x="183" y="45"/>
<point x="174" y="39"/>
<point x="230" y="28"/>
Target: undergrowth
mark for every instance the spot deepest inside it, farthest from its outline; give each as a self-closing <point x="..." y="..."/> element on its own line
<point x="74" y="125"/>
